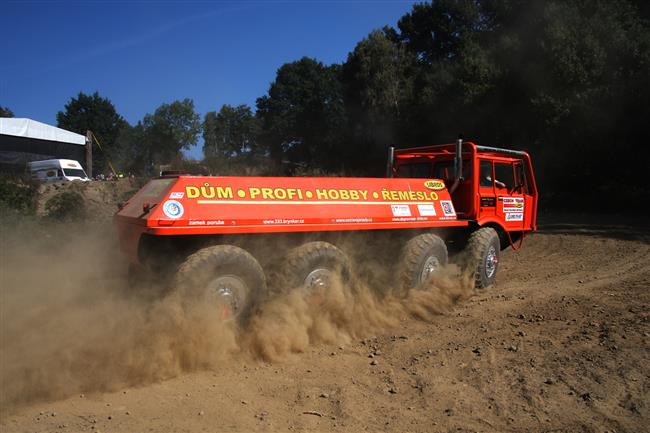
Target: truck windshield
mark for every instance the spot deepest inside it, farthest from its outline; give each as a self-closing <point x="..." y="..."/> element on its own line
<point x="445" y="169"/>
<point x="420" y="170"/>
<point x="74" y="172"/>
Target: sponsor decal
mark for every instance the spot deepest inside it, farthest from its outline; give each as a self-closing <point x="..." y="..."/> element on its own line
<point x="177" y="195"/>
<point x="427" y="210"/>
<point x="352" y="220"/>
<point x="284" y="221"/>
<point x="513" y="204"/>
<point x="401" y="210"/>
<point x="435" y="184"/>
<point x="515" y="216"/>
<point x="173" y="209"/>
<point x="447" y="207"/>
<point x="206" y="223"/>
<point x="488" y="201"/>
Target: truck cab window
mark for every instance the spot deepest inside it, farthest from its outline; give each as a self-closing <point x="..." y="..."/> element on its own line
<point x="520" y="176"/>
<point x="485" y="174"/>
<point x="504" y="176"/>
<point x="445" y="170"/>
<point x="420" y="170"/>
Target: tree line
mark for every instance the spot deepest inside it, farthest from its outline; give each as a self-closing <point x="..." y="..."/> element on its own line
<point x="567" y="80"/>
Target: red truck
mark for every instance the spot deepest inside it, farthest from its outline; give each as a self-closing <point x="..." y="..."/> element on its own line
<point x="223" y="236"/>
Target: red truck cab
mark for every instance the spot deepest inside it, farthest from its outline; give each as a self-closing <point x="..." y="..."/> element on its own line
<point x="493" y="186"/>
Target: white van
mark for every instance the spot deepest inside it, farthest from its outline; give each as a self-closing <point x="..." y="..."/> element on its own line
<point x="57" y="170"/>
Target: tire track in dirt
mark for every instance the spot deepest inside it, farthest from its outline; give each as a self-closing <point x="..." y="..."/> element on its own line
<point x="543" y="314"/>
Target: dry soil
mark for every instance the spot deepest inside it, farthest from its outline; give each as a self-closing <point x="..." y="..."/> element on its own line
<point x="560" y="344"/>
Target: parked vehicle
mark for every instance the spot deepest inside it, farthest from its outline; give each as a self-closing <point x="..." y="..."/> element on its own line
<point x="57" y="170"/>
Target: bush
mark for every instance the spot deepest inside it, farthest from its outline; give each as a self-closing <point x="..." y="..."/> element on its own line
<point x="18" y="196"/>
<point x="68" y="205"/>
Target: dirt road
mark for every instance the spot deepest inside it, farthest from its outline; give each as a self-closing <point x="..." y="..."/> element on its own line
<point x="560" y="344"/>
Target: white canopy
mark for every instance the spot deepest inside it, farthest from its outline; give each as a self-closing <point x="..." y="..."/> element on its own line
<point x="29" y="128"/>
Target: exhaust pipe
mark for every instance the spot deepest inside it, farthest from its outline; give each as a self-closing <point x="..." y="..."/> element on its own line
<point x="389" y="163"/>
<point x="458" y="164"/>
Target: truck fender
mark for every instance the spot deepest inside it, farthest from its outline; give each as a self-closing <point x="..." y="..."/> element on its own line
<point x="494" y="223"/>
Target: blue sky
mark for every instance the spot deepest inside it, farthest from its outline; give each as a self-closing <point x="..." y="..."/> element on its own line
<point x="140" y="54"/>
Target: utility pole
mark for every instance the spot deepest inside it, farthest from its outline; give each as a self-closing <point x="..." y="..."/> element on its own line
<point x="89" y="154"/>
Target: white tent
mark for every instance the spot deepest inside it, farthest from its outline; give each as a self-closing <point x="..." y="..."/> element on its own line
<point x="26" y="140"/>
<point x="28" y="128"/>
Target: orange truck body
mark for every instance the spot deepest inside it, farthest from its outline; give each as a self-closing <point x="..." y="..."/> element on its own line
<point x="191" y="205"/>
<point x="211" y="205"/>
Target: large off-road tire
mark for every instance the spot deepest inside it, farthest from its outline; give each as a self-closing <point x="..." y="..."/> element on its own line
<point x="313" y="267"/>
<point x="224" y="275"/>
<point x="480" y="258"/>
<point x="421" y="257"/>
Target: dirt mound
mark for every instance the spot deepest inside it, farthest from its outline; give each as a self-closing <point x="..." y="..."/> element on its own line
<point x="100" y="198"/>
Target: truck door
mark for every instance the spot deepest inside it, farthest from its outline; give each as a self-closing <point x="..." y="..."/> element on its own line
<point x="510" y="206"/>
<point x="522" y="184"/>
<point x="487" y="195"/>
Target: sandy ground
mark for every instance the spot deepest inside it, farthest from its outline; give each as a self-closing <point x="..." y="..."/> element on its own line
<point x="560" y="344"/>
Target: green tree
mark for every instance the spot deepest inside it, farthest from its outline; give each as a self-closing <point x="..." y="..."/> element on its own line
<point x="377" y="79"/>
<point x="97" y="114"/>
<point x="594" y="100"/>
<point x="170" y="129"/>
<point x="376" y="75"/>
<point x="436" y="31"/>
<point x="230" y="133"/>
<point x="303" y="115"/>
<point x="453" y="42"/>
<point x="566" y="79"/>
<point x="132" y="155"/>
<point x="6" y="112"/>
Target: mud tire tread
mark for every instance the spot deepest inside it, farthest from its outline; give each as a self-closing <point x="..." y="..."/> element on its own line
<point x="474" y="255"/>
<point x="412" y="257"/>
<point x="305" y="256"/>
<point x="202" y="265"/>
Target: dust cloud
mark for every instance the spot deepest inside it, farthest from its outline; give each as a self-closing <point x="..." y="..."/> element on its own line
<point x="291" y="322"/>
<point x="69" y="325"/>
